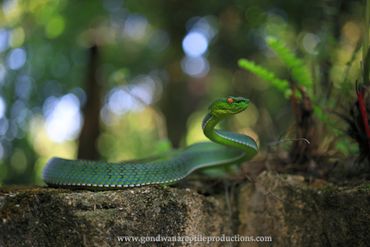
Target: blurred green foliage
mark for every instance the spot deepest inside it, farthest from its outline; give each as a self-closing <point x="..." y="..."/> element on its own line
<point x="263" y="73"/>
<point x="154" y="90"/>
<point x="296" y="66"/>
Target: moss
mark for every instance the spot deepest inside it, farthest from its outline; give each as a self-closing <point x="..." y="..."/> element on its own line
<point x="57" y="217"/>
<point x="364" y="188"/>
<point x="299" y="214"/>
<point x="292" y="211"/>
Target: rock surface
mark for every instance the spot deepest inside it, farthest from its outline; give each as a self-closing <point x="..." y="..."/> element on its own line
<point x="56" y="217"/>
<point x="297" y="214"/>
<point x="284" y="207"/>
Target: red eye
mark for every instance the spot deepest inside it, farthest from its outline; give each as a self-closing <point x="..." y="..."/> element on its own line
<point x="230" y="100"/>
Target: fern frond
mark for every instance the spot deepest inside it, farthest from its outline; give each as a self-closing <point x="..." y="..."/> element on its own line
<point x="299" y="71"/>
<point x="261" y="72"/>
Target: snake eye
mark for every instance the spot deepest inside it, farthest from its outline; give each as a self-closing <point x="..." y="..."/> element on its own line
<point x="230" y="100"/>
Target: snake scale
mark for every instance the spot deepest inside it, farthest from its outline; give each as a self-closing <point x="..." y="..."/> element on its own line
<point x="226" y="148"/>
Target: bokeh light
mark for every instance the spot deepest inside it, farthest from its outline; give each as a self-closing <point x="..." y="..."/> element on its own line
<point x="55" y="27"/>
<point x="195" y="66"/>
<point x="4" y="39"/>
<point x="204" y="25"/>
<point x="63" y="117"/>
<point x="144" y="49"/>
<point x="16" y="58"/>
<point x="2" y="107"/>
<point x="310" y="42"/>
<point x="195" y="44"/>
<point x="4" y="125"/>
<point x="132" y="97"/>
<point x="135" y="27"/>
<point x="23" y="86"/>
<point x="2" y="74"/>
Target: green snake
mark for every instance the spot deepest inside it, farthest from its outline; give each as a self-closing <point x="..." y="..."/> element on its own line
<point x="226" y="148"/>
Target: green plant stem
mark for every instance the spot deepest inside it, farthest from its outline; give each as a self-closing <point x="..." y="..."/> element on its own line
<point x="365" y="46"/>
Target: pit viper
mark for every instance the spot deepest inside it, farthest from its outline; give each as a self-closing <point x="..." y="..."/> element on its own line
<point x="226" y="148"/>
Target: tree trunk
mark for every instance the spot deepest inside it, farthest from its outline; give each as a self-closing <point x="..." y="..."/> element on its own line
<point x="91" y="128"/>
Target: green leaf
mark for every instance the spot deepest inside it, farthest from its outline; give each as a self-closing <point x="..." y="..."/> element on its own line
<point x="265" y="74"/>
<point x="299" y="71"/>
<point x="366" y="68"/>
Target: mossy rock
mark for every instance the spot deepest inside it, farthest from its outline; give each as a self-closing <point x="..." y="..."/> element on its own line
<point x="296" y="213"/>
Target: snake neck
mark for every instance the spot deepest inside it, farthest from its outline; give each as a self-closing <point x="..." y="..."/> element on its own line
<point x="230" y="139"/>
<point x="209" y="124"/>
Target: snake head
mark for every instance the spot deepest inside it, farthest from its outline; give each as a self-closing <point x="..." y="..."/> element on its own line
<point x="224" y="107"/>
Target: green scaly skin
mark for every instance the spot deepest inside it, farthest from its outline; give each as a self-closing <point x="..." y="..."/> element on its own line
<point x="226" y="148"/>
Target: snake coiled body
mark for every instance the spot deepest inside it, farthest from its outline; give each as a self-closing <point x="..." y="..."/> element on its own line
<point x="226" y="148"/>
